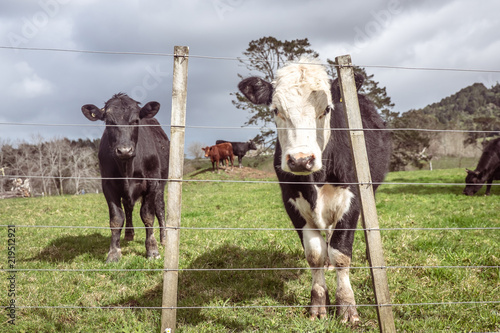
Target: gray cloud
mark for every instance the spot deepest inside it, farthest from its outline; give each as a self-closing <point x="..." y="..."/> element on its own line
<point x="50" y="87"/>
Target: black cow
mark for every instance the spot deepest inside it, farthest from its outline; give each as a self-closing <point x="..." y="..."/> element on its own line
<point x="138" y="155"/>
<point x="487" y="170"/>
<point x="240" y="148"/>
<point x="314" y="165"/>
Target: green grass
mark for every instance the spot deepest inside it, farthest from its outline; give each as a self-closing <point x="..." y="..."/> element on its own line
<point x="249" y="205"/>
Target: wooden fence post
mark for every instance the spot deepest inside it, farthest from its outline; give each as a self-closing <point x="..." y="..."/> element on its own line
<point x="368" y="208"/>
<point x="174" y="201"/>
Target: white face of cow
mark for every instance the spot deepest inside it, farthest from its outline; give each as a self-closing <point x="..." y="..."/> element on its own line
<point x="302" y="102"/>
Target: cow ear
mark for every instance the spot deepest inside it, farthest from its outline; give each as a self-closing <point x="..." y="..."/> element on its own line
<point x="149" y="110"/>
<point x="92" y="112"/>
<point x="335" y="90"/>
<point x="359" y="79"/>
<point x="257" y="91"/>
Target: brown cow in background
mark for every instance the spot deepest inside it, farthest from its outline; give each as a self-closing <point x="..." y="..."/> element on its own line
<point x="218" y="153"/>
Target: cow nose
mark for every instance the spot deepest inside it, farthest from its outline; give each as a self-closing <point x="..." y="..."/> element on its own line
<point x="300" y="162"/>
<point x="125" y="151"/>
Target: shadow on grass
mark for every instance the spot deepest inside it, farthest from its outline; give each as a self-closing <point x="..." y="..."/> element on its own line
<point x="227" y="288"/>
<point x="67" y="248"/>
<point x="201" y="171"/>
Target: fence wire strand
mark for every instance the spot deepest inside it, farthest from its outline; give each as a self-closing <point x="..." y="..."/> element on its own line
<point x="27" y="270"/>
<point x="240" y="59"/>
<point x="236" y="307"/>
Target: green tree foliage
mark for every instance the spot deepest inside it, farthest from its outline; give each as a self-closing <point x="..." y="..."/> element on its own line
<point x="370" y="88"/>
<point x="474" y="108"/>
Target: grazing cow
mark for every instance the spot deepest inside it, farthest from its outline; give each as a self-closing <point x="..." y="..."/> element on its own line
<point x="240" y="149"/>
<point x="219" y="153"/>
<point x="138" y="156"/>
<point x="487" y="170"/>
<point x="314" y="165"/>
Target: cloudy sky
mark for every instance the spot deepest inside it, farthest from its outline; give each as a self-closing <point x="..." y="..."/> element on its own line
<point x="49" y="87"/>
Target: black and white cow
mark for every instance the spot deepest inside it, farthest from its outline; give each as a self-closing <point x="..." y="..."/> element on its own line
<point x="314" y="166"/>
<point x="240" y="148"/>
<point x="487" y="169"/>
<point x="138" y="156"/>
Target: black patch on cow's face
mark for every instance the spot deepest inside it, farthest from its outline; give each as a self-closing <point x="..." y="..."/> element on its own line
<point x="122" y="118"/>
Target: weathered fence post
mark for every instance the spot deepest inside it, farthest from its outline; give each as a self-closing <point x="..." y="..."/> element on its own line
<point x="174" y="201"/>
<point x="368" y="208"/>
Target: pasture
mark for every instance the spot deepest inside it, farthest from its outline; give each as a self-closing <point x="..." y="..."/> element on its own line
<point x="253" y="300"/>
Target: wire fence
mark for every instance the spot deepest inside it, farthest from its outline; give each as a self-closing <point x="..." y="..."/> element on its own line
<point x="465" y="229"/>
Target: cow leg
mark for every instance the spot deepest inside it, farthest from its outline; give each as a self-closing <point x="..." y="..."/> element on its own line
<point x="148" y="218"/>
<point x="340" y="251"/>
<point x="116" y="219"/>
<point x="160" y="212"/>
<point x="239" y="161"/>
<point x="315" y="249"/>
<point x="129" y="227"/>
<point x="488" y="186"/>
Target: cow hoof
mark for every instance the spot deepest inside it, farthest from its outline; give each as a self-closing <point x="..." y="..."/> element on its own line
<point x="153" y="255"/>
<point x="113" y="257"/>
<point x="320" y="316"/>
<point x="348" y="314"/>
<point x="320" y="313"/>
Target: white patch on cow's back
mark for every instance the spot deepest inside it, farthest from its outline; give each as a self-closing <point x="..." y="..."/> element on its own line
<point x="331" y="204"/>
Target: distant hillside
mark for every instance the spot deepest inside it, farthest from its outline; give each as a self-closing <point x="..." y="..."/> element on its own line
<point x="474" y="107"/>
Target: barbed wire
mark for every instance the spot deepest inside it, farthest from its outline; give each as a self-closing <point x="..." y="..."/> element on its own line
<point x="232" y="181"/>
<point x="236" y="269"/>
<point x="240" y="59"/>
<point x="235" y="307"/>
<point x="102" y="125"/>
<point x="247" y="229"/>
<point x="14" y="176"/>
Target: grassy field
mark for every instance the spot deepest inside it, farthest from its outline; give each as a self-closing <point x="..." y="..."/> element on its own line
<point x="250" y="295"/>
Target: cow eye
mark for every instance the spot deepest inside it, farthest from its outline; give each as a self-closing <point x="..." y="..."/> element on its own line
<point x="327" y="110"/>
<point x="275" y="111"/>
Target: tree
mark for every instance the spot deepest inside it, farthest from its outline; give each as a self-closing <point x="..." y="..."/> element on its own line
<point x="195" y="150"/>
<point x="370" y="88"/>
<point x="408" y="147"/>
<point x="263" y="57"/>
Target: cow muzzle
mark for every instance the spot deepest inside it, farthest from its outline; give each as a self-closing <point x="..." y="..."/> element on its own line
<point x="300" y="163"/>
<point x="125" y="152"/>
